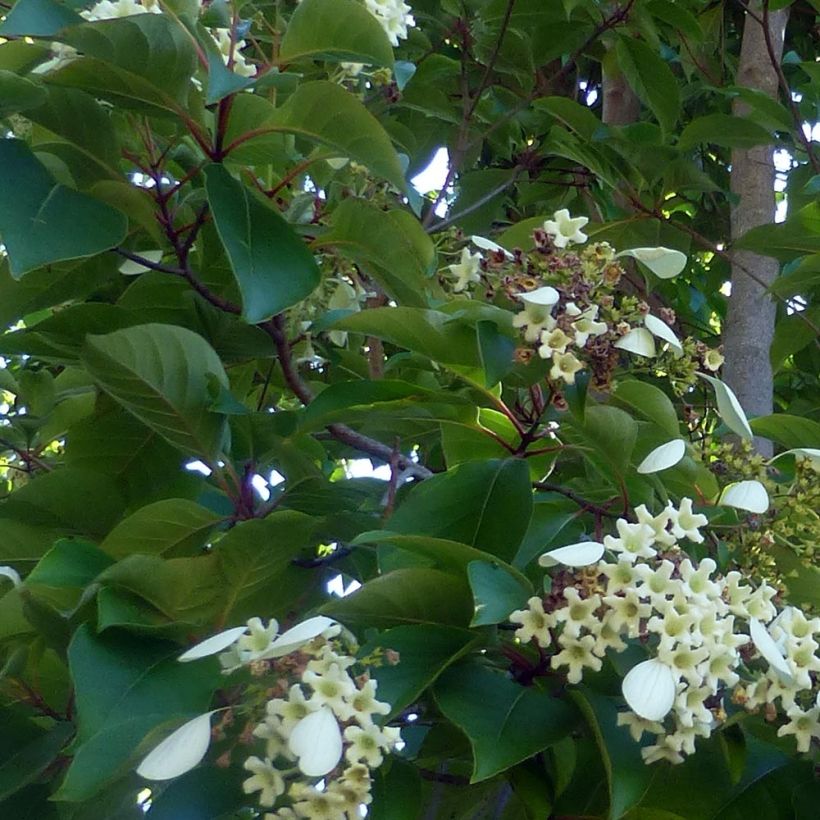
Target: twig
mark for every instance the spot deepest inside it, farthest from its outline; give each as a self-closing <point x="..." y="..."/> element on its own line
<point x="584" y="503"/>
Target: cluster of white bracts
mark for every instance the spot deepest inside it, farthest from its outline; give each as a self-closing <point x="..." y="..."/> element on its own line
<point x="327" y="715"/>
<point x="693" y="621"/>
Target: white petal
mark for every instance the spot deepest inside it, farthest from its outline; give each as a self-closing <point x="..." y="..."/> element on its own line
<point x="297" y="636"/>
<point x="216" y="643"/>
<point x="317" y="741"/>
<point x="649" y="689"/>
<point x="659" y="328"/>
<point x="665" y="263"/>
<point x="488" y="245"/>
<point x="765" y="644"/>
<point x="581" y="554"/>
<point x="12" y="574"/>
<point x="663" y="457"/>
<point x="180" y="751"/>
<point x="806" y="452"/>
<point x="541" y="296"/>
<point x="131" y="268"/>
<point x="729" y="408"/>
<point x="745" y="495"/>
<point x="638" y="340"/>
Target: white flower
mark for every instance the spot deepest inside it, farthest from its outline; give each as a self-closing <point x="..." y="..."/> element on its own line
<point x="713" y="360"/>
<point x="292" y="710"/>
<point x="684" y="661"/>
<point x="626" y="612"/>
<point x="634" y="541"/>
<point x="108" y="10"/>
<point x="553" y="341"/>
<point x="394" y="17"/>
<point x="621" y="576"/>
<point x="565" y="229"/>
<point x="222" y="37"/>
<point x="577" y="654"/>
<point x="579" y="613"/>
<point x="804" y="725"/>
<point x="658" y="523"/>
<point x="253" y="645"/>
<point x="467" y="270"/>
<point x="586" y="326"/>
<point x="276" y="739"/>
<point x="649" y="689"/>
<point x="564" y="366"/>
<point x="266" y="780"/>
<point x="685" y="523"/>
<point x="535" y="623"/>
<point x="365" y="705"/>
<point x="332" y="688"/>
<point x="536" y="314"/>
<point x="698" y="587"/>
<point x="664" y="749"/>
<point x="657" y="584"/>
<point x="638" y="725"/>
<point x="365" y="744"/>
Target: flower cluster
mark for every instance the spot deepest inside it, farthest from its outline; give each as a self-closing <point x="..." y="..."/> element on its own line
<point x="319" y="727"/>
<point x="572" y="313"/>
<point x="703" y="631"/>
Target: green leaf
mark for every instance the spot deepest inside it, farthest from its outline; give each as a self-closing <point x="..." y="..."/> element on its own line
<point x="651" y="79"/>
<point x="69" y="563"/>
<point x="174" y="526"/>
<point x="69" y="499"/>
<point x="38" y="18"/>
<point x="612" y="434"/>
<point x="650" y="402"/>
<point x="429" y="332"/>
<point x="336" y="30"/>
<point x="397" y="793"/>
<point x="423" y="651"/>
<point x="324" y="112"/>
<point x="160" y="374"/>
<point x="628" y="776"/>
<point x="790" y="431"/>
<point x="496" y="350"/>
<point x="202" y="794"/>
<point x="486" y="504"/>
<point x="18" y="93"/>
<point x="125" y="687"/>
<point x="406" y="596"/>
<point x="273" y="267"/>
<point x="31" y="758"/>
<point x="723" y="129"/>
<point x="42" y="221"/>
<point x="221" y="80"/>
<point x="797" y="236"/>
<point x="144" y="57"/>
<point x="254" y="556"/>
<point x="504" y="722"/>
<point x="390" y="245"/>
<point x="496" y="592"/>
<point x="578" y="118"/>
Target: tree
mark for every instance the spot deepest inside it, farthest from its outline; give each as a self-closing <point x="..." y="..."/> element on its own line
<point x="580" y="589"/>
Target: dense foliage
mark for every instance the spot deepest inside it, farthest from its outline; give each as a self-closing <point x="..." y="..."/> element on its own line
<point x="579" y="591"/>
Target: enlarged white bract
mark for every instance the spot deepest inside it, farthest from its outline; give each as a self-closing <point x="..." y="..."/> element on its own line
<point x="180" y="751"/>
<point x="659" y="328"/>
<point x="132" y="268"/>
<point x="649" y="689"/>
<point x="12" y="575"/>
<point x="488" y="245"/>
<point x="297" y="636"/>
<point x="638" y="340"/>
<point x="663" y="457"/>
<point x="581" y="554"/>
<point x="214" y="644"/>
<point x="765" y="645"/>
<point x="665" y="263"/>
<point x="729" y="408"/>
<point x="809" y="453"/>
<point x="542" y="297"/>
<point x="317" y="742"/>
<point x="745" y="495"/>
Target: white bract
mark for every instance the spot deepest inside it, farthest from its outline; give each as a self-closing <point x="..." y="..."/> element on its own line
<point x="179" y="752"/>
<point x="745" y="495"/>
<point x="661" y="330"/>
<point x="663" y="457"/>
<point x="317" y="742"/>
<point x="638" y="340"/>
<point x="488" y="245"/>
<point x="649" y="688"/>
<point x="665" y="263"/>
<point x="565" y="229"/>
<point x="729" y="408"/>
<point x="581" y="554"/>
<point x="536" y="314"/>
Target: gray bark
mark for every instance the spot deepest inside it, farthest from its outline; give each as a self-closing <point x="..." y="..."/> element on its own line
<point x="621" y="106"/>
<point x="750" y="318"/>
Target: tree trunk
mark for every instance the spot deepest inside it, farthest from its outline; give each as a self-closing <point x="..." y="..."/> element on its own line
<point x="750" y="318"/>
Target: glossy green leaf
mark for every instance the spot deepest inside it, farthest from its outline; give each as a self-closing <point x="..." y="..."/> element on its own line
<point x="390" y="245"/>
<point x="174" y="526"/>
<point x="125" y="687"/>
<point x="70" y="563"/>
<point x="650" y="402"/>
<point x="324" y="112"/>
<point x="406" y="596"/>
<point x="496" y="592"/>
<point x="42" y="221"/>
<point x="484" y="504"/>
<point x="38" y="18"/>
<point x="337" y="30"/>
<point x="18" y="93"/>
<point x="797" y="236"/>
<point x="273" y="267"/>
<point x="651" y="79"/>
<point x="31" y="757"/>
<point x="160" y="373"/>
<point x="423" y="652"/>
<point x="723" y="129"/>
<point x="504" y="721"/>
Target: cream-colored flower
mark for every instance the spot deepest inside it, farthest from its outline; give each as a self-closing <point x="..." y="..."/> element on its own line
<point x="577" y="654"/>
<point x="266" y="780"/>
<point x="565" y="229"/>
<point x="685" y="523"/>
<point x="467" y="270"/>
<point x="634" y="541"/>
<point x="565" y="366"/>
<point x="553" y="341"/>
<point x="713" y="360"/>
<point x="535" y="623"/>
<point x="803" y="724"/>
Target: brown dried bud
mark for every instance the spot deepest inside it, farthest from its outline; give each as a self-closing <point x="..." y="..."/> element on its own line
<point x="559" y="402"/>
<point x="523" y="355"/>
